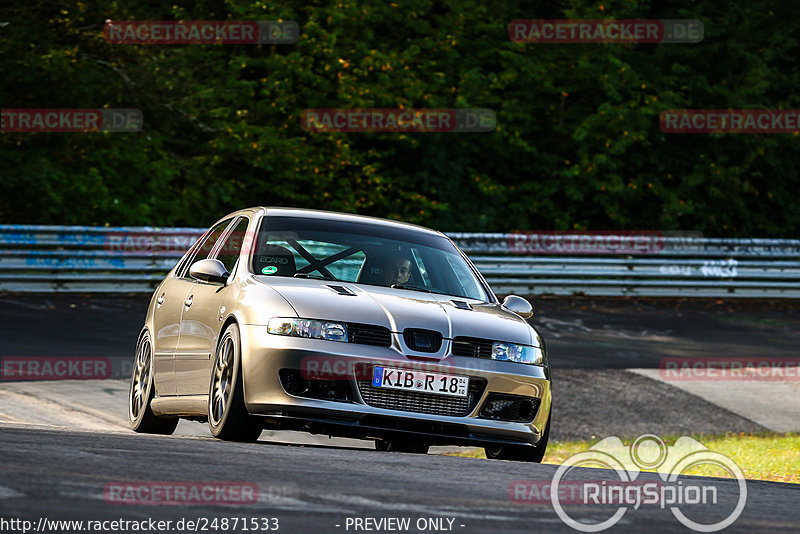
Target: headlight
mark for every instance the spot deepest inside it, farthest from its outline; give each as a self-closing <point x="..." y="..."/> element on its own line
<point x="307" y="328"/>
<point x="512" y="352"/>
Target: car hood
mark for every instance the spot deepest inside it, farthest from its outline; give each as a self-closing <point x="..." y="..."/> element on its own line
<point x="398" y="309"/>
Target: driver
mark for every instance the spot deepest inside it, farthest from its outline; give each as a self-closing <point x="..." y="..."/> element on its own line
<point x="396" y="270"/>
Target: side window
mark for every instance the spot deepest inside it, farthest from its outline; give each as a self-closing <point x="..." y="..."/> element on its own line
<point x="183" y="262"/>
<point x="232" y="246"/>
<point x="187" y="257"/>
<point x="207" y="245"/>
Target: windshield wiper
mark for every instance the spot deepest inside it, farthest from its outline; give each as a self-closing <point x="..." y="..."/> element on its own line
<point x="411" y="288"/>
<point x="313" y="276"/>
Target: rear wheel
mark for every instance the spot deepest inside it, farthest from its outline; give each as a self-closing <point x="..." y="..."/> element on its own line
<point x="140" y="417"/>
<point x="401" y="445"/>
<point x="227" y="416"/>
<point x="520" y="453"/>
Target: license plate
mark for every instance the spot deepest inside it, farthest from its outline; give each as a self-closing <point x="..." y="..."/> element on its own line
<point x="421" y="381"/>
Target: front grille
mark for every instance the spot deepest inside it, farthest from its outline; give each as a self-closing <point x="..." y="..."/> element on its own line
<point x="367" y="334"/>
<point x="421" y="340"/>
<point x="428" y="403"/>
<point x="473" y="347"/>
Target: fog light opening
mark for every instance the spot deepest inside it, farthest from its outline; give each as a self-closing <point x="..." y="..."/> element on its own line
<point x="526" y="410"/>
<point x="512" y="408"/>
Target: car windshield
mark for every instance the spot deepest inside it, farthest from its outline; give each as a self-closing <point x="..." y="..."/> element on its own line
<point x="363" y="253"/>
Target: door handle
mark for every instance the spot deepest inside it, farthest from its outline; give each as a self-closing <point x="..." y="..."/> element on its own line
<point x="188" y="301"/>
<point x="160" y="300"/>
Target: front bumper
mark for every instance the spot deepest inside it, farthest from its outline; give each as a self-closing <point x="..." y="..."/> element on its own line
<point x="264" y="356"/>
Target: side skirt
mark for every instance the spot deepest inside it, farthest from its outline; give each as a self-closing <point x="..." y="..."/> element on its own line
<point x="186" y="406"/>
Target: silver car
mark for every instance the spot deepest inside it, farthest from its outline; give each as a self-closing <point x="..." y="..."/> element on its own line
<point x="341" y="325"/>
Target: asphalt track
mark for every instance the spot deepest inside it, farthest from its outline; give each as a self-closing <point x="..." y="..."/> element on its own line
<point x="62" y="474"/>
<point x="58" y="470"/>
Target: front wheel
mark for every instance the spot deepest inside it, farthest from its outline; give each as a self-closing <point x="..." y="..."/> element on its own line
<point x="521" y="453"/>
<point x="140" y="417"/>
<point x="227" y="416"/>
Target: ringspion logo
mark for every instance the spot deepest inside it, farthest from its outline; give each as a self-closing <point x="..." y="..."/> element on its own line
<point x="698" y="503"/>
<point x="411" y="120"/>
<point x="70" y="120"/>
<point x="179" y="32"/>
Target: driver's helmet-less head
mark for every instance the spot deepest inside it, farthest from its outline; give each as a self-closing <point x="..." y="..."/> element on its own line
<point x="395" y="269"/>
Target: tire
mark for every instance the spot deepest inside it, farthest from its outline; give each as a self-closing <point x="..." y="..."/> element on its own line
<point x="141" y="391"/>
<point x="227" y="416"/>
<point x="521" y="453"/>
<point x="401" y="445"/>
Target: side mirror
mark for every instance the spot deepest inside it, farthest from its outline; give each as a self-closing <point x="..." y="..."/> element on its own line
<point x="518" y="305"/>
<point x="209" y="271"/>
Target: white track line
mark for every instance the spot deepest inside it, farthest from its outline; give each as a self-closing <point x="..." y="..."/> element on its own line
<point x="9" y="493"/>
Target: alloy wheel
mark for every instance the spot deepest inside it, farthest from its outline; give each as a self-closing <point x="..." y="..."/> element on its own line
<point x="141" y="380"/>
<point x="223" y="375"/>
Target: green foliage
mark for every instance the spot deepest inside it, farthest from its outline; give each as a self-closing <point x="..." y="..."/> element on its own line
<point x="577" y="144"/>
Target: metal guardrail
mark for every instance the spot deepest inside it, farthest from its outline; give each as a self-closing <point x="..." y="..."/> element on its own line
<point x="134" y="259"/>
<point x="38" y="259"/>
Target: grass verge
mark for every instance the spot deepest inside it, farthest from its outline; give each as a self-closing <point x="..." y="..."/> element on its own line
<point x="768" y="456"/>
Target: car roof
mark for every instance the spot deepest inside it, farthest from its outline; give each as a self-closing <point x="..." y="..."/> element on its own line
<point x="334" y="216"/>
